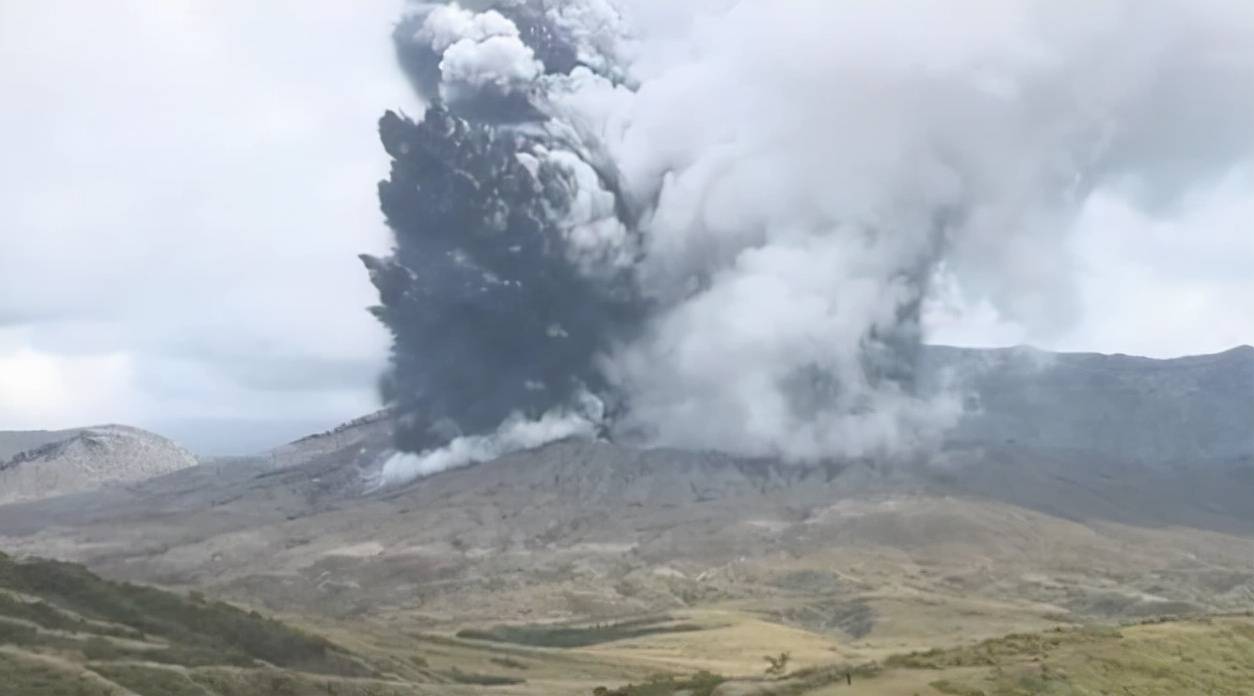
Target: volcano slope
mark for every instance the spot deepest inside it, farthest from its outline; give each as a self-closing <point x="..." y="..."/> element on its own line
<point x="646" y="560"/>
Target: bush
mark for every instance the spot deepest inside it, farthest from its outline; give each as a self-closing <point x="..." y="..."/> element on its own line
<point x="149" y="681"/>
<point x="97" y="648"/>
<point x="510" y="663"/>
<point x="549" y="636"/>
<point x="30" y="678"/>
<point x="18" y="634"/>
<point x="482" y="679"/>
<point x="700" y="684"/>
<point x="778" y="665"/>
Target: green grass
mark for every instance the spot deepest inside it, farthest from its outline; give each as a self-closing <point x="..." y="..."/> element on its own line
<point x="18" y="634"/>
<point x="461" y="677"/>
<point x="509" y="663"/>
<point x="274" y="683"/>
<point x="101" y="650"/>
<point x="24" y="635"/>
<point x="200" y="632"/>
<point x="1207" y="656"/>
<point x="995" y="651"/>
<point x="150" y="681"/>
<point x="700" y="684"/>
<point x="565" y="636"/>
<point x="40" y="613"/>
<point x="30" y="678"/>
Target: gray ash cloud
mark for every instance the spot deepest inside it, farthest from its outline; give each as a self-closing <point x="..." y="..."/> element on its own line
<point x="489" y="313"/>
<point x="721" y="225"/>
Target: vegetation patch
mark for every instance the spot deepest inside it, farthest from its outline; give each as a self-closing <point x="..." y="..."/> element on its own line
<point x="34" y="678"/>
<point x="996" y="651"/>
<point x="509" y="662"/>
<point x="1161" y="658"/>
<point x="26" y="635"/>
<point x="276" y="683"/>
<point x="43" y="614"/>
<point x="700" y="684"/>
<point x="199" y="632"/>
<point x="855" y="618"/>
<point x="460" y="677"/>
<point x="567" y="636"/>
<point x="150" y="681"/>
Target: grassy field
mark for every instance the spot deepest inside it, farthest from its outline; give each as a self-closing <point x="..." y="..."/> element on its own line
<point x="1203" y="656"/>
<point x="67" y="632"/>
<point x="1211" y="656"/>
<point x="1207" y="655"/>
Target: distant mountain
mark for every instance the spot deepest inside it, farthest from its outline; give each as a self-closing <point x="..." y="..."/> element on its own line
<point x="1183" y="412"/>
<point x="14" y="442"/>
<point x="1187" y="412"/>
<point x="370" y="434"/>
<point x="44" y="464"/>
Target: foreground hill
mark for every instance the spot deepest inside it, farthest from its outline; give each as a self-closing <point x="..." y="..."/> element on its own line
<point x="44" y="464"/>
<point x="66" y="632"/>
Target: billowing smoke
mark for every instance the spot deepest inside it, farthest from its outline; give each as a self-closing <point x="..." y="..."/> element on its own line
<point x="716" y="224"/>
<point x="511" y="274"/>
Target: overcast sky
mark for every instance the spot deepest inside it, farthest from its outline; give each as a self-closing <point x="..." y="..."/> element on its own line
<point x="184" y="187"/>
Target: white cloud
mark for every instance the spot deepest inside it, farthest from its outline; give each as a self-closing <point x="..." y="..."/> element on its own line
<point x="1160" y="283"/>
<point x="36" y="388"/>
<point x="1177" y="283"/>
<point x="184" y="190"/>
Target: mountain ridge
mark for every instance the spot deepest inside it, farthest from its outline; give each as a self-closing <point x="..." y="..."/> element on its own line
<point x="45" y="464"/>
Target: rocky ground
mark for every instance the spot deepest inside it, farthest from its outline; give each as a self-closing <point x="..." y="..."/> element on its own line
<point x="46" y="464"/>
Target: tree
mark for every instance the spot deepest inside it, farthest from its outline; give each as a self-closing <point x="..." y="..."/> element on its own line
<point x="779" y="665"/>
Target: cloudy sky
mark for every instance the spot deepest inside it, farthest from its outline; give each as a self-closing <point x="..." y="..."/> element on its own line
<point x="184" y="187"/>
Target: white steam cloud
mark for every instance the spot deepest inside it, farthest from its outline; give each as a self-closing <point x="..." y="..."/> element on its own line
<point x="802" y="173"/>
<point x="479" y="50"/>
<point x="515" y="434"/>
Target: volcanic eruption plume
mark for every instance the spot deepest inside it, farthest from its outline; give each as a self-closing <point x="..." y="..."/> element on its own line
<point x="716" y="224"/>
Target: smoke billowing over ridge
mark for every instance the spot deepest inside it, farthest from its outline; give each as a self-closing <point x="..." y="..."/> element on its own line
<point x="717" y="224"/>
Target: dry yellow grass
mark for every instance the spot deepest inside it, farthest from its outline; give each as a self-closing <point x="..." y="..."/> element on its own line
<point x="735" y="644"/>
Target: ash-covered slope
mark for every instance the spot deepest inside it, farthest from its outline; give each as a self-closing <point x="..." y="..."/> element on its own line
<point x="1078" y="435"/>
<point x="47" y="464"/>
<point x="1184" y="412"/>
<point x="14" y="442"/>
<point x="1023" y="504"/>
<point x="369" y="435"/>
<point x="591" y="529"/>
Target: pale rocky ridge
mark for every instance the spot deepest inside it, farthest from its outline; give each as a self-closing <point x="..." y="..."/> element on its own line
<point x="52" y="463"/>
<point x="14" y="442"/>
